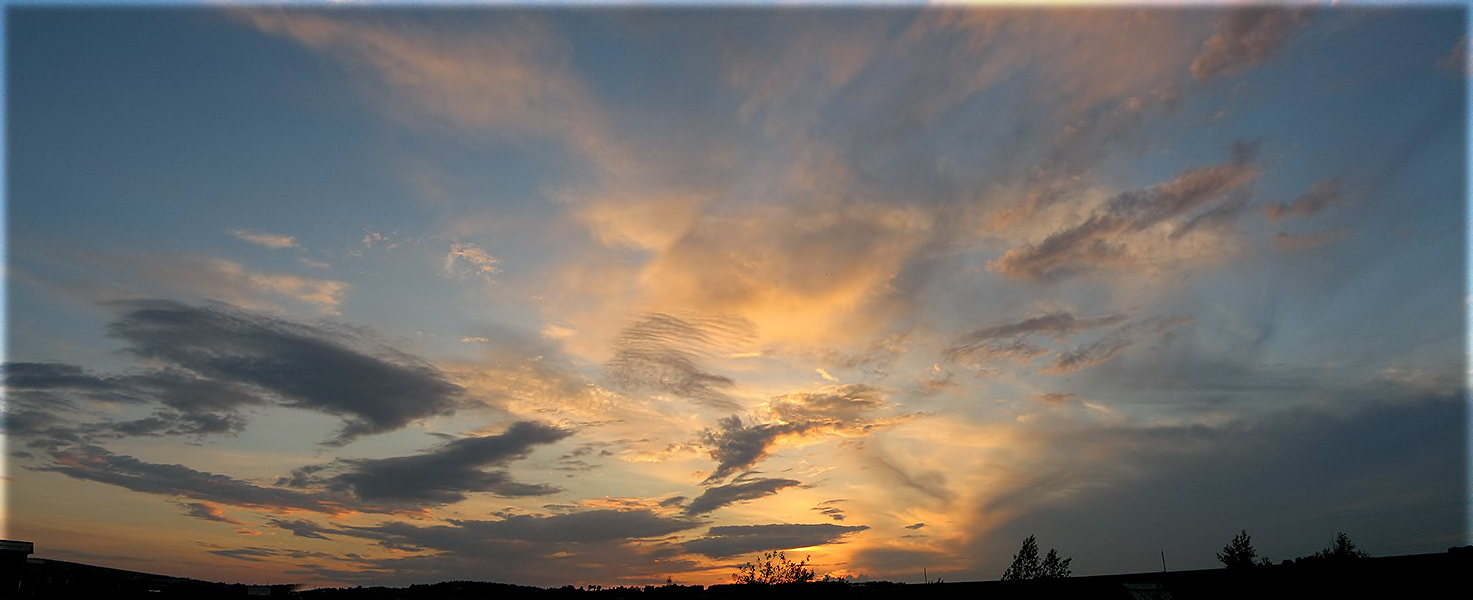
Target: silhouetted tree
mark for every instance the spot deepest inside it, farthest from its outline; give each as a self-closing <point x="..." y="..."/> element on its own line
<point x="1026" y="565"/>
<point x="774" y="568"/>
<point x="1239" y="553"/>
<point x="1342" y="549"/>
<point x="1054" y="567"/>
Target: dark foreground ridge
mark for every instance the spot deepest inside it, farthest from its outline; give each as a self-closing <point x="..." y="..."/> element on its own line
<point x="1441" y="575"/>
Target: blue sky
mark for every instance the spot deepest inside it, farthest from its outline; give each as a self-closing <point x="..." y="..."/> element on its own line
<point x="612" y="295"/>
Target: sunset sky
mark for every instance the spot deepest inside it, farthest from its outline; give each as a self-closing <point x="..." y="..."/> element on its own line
<point x="615" y="295"/>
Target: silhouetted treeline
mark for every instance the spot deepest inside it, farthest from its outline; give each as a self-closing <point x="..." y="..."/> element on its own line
<point x="1441" y="575"/>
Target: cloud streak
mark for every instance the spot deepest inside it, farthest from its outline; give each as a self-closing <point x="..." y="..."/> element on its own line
<point x="734" y="540"/>
<point x="1117" y="235"/>
<point x="274" y="241"/>
<point x="93" y="463"/>
<point x="663" y="353"/>
<point x="719" y="496"/>
<point x="443" y="475"/>
<point x="306" y="366"/>
<point x="1245" y="38"/>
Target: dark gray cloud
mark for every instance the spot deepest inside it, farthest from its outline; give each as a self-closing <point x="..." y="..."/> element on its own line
<point x="830" y="508"/>
<point x="208" y="512"/>
<point x="191" y="405"/>
<point x="252" y="554"/>
<point x="663" y="354"/>
<point x="1245" y="38"/>
<point x="93" y="463"/>
<point x="724" y="495"/>
<point x="445" y="474"/>
<point x="374" y="388"/>
<point x="302" y="528"/>
<point x="737" y="446"/>
<point x="1102" y="241"/>
<point x="915" y="526"/>
<point x="733" y="540"/>
<point x="1395" y="470"/>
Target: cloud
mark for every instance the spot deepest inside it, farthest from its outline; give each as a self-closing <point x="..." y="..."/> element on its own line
<point x="1291" y="242"/>
<point x="445" y="474"/>
<point x="1113" y="343"/>
<point x="512" y="77"/>
<point x="525" y="535"/>
<point x="1054" y="398"/>
<point x="662" y="353"/>
<point x="1394" y="468"/>
<point x="375" y="390"/>
<point x="1320" y="197"/>
<point x="466" y="258"/>
<point x="723" y="495"/>
<point x="1245" y="38"/>
<point x="836" y="405"/>
<point x="270" y="240"/>
<point x="1119" y="234"/>
<point x="93" y="463"/>
<point x="1007" y="342"/>
<point x="130" y="276"/>
<point x="836" y="410"/>
<point x="191" y="405"/>
<point x="247" y="554"/>
<point x="302" y="528"/>
<point x="734" y="540"/>
<point x="830" y="508"/>
<point x="208" y="512"/>
<point x="736" y="446"/>
<point x="915" y="526"/>
<point x="1456" y="61"/>
<point x="624" y="546"/>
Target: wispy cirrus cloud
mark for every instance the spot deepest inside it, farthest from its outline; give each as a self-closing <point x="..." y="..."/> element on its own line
<point x="1323" y="195"/>
<point x="275" y="241"/>
<point x="1007" y="342"/>
<point x="1112" y="344"/>
<point x="663" y="353"/>
<point x="1131" y="227"/>
<point x="93" y="278"/>
<point x="1245" y="38"/>
<point x="514" y="82"/>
